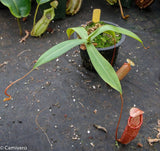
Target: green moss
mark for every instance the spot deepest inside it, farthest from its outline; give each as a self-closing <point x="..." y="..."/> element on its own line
<point x="105" y="39"/>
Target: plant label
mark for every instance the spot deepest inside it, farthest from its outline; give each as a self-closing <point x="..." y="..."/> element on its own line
<point x="96" y="15"/>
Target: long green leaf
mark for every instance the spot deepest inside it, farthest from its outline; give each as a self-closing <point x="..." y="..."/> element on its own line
<point x="42" y="1"/>
<point x="80" y="31"/>
<point x="18" y="8"/>
<point x="58" y="50"/>
<point x="115" y="29"/>
<point x="103" y="68"/>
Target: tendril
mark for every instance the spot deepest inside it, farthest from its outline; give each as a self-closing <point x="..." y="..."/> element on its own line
<point x="5" y="92"/>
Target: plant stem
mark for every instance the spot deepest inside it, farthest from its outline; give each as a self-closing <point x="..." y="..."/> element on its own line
<point x="19" y="26"/>
<point x="121" y="9"/>
<point x="113" y="52"/>
<point x="35" y="15"/>
<point x="119" y="117"/>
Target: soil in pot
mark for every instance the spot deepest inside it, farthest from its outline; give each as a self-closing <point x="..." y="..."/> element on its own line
<point x="105" y="44"/>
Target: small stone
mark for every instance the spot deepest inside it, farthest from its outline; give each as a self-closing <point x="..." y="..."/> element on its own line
<point x="95" y="111"/>
<point x="43" y="87"/>
<point x="99" y="86"/>
<point x="6" y="105"/>
<point x="92" y="144"/>
<point x="71" y="126"/>
<point x="48" y="83"/>
<point x="140" y="145"/>
<point x="88" y="131"/>
<point x="20" y="122"/>
<point x="94" y="87"/>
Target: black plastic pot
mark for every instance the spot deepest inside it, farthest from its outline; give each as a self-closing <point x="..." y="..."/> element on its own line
<point x="109" y="53"/>
<point x="2" y="6"/>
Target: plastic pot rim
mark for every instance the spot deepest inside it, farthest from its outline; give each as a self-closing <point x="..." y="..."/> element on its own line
<point x="110" y="47"/>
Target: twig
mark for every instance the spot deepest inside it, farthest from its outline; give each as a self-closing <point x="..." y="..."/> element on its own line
<point x="25" y="37"/>
<point x="23" y="52"/>
<point x="121" y="9"/>
<point x="100" y="128"/>
<point x="36" y="120"/>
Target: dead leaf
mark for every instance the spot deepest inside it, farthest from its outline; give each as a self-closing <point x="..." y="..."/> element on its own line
<point x="25" y="37"/>
<point x="4" y="63"/>
<point x="152" y="140"/>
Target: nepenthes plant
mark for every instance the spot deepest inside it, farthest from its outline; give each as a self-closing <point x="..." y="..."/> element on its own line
<point x="101" y="65"/>
<point x="22" y="8"/>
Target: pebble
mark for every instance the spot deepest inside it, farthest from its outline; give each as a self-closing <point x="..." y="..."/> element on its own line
<point x="6" y="105"/>
<point x="38" y="101"/>
<point x="71" y="126"/>
<point x="43" y="87"/>
<point x="94" y="87"/>
<point x="95" y="111"/>
<point x="92" y="144"/>
<point x="69" y="60"/>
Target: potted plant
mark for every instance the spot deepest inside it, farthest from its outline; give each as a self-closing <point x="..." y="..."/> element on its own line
<point x="101" y="65"/>
<point x="107" y="43"/>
